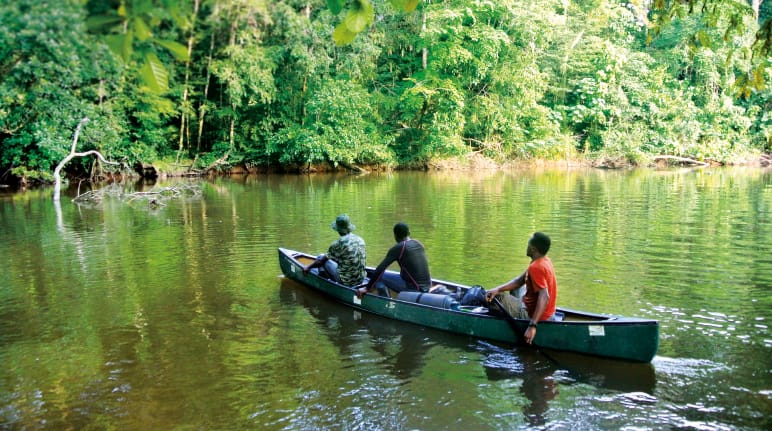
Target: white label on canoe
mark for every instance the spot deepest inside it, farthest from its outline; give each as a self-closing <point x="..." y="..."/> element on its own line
<point x="294" y="268"/>
<point x="357" y="301"/>
<point x="597" y="331"/>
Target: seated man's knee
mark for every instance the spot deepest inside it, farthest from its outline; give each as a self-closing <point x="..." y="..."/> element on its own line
<point x="331" y="268"/>
<point x="513" y="306"/>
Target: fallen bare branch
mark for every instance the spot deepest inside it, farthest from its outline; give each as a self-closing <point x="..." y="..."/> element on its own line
<point x="73" y="154"/>
<point x="153" y="198"/>
<point x="682" y="160"/>
<point x="220" y="161"/>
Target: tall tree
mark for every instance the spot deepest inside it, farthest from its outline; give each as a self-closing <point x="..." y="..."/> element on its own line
<point x="52" y="74"/>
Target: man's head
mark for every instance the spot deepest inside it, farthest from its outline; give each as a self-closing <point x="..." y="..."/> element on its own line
<point x="540" y="243"/>
<point x="401" y="231"/>
<point x="342" y="224"/>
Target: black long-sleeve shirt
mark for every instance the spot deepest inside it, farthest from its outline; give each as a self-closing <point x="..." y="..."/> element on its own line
<point x="414" y="267"/>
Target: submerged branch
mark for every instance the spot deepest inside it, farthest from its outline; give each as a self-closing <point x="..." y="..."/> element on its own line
<point x="682" y="160"/>
<point x="153" y="198"/>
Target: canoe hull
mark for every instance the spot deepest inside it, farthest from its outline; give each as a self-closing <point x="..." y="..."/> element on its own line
<point x="616" y="337"/>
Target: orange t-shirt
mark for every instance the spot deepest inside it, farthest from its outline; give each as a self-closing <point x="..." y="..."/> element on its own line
<point x="540" y="275"/>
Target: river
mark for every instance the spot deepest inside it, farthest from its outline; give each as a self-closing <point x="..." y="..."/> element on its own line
<point x="122" y="315"/>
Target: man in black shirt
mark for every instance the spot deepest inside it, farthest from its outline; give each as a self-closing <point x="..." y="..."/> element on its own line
<point x="411" y="257"/>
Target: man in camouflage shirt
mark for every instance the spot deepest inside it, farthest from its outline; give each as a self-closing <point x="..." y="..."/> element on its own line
<point x="345" y="259"/>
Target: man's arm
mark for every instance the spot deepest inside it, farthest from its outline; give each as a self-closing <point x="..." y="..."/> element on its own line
<point x="391" y="256"/>
<point x="379" y="270"/>
<point x="316" y="263"/>
<point x="541" y="304"/>
<point x="512" y="285"/>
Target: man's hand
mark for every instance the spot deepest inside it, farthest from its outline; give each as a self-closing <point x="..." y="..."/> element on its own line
<point x="489" y="295"/>
<point x="361" y="291"/>
<point x="530" y="333"/>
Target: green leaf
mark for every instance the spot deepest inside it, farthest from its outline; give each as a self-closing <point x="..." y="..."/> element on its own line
<point x="142" y="6"/>
<point x="703" y="38"/>
<point x="178" y="50"/>
<point x="96" y="22"/>
<point x="410" y="5"/>
<point x="404" y="5"/>
<point x="342" y="35"/>
<point x="154" y="74"/>
<point x="141" y="29"/>
<point x="335" y="6"/>
<point x="359" y="17"/>
<point x="115" y="43"/>
<point x="128" y="45"/>
<point x="121" y="45"/>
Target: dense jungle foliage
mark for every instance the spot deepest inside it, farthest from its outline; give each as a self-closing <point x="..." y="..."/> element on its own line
<point x="295" y="83"/>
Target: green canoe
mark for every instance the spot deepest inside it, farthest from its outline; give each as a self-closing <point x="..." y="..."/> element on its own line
<point x="608" y="336"/>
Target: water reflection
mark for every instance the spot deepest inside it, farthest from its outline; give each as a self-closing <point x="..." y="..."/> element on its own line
<point x="403" y="348"/>
<point x="178" y="309"/>
<point x="342" y="324"/>
<point x="537" y="373"/>
<point x="621" y="376"/>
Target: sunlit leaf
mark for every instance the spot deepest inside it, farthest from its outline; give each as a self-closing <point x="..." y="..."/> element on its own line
<point x="758" y="78"/>
<point x="178" y="50"/>
<point x="342" y="35"/>
<point x="141" y="29"/>
<point x="154" y="74"/>
<point x="703" y="38"/>
<point x="405" y="5"/>
<point x="358" y="18"/>
<point x="116" y="42"/>
<point x="128" y="45"/>
<point x="410" y="5"/>
<point x="96" y="22"/>
<point x="121" y="45"/>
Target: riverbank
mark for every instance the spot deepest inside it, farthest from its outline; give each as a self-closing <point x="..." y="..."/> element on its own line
<point x="468" y="163"/>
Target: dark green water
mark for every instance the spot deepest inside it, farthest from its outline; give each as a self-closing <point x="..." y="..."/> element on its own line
<point x="116" y="316"/>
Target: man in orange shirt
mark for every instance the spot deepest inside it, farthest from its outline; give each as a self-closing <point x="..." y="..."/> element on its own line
<point x="541" y="294"/>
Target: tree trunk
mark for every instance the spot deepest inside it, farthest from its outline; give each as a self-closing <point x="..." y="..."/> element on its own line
<point x="425" y="51"/>
<point x="184" y="121"/>
<point x="202" y="108"/>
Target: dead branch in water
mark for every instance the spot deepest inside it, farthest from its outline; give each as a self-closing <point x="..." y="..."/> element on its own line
<point x="221" y="161"/>
<point x="73" y="154"/>
<point x="682" y="160"/>
<point x="96" y="196"/>
<point x="158" y="197"/>
<point x="354" y="168"/>
<point x="153" y="198"/>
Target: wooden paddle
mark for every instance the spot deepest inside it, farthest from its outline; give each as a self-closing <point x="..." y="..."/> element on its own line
<point x="508" y="317"/>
